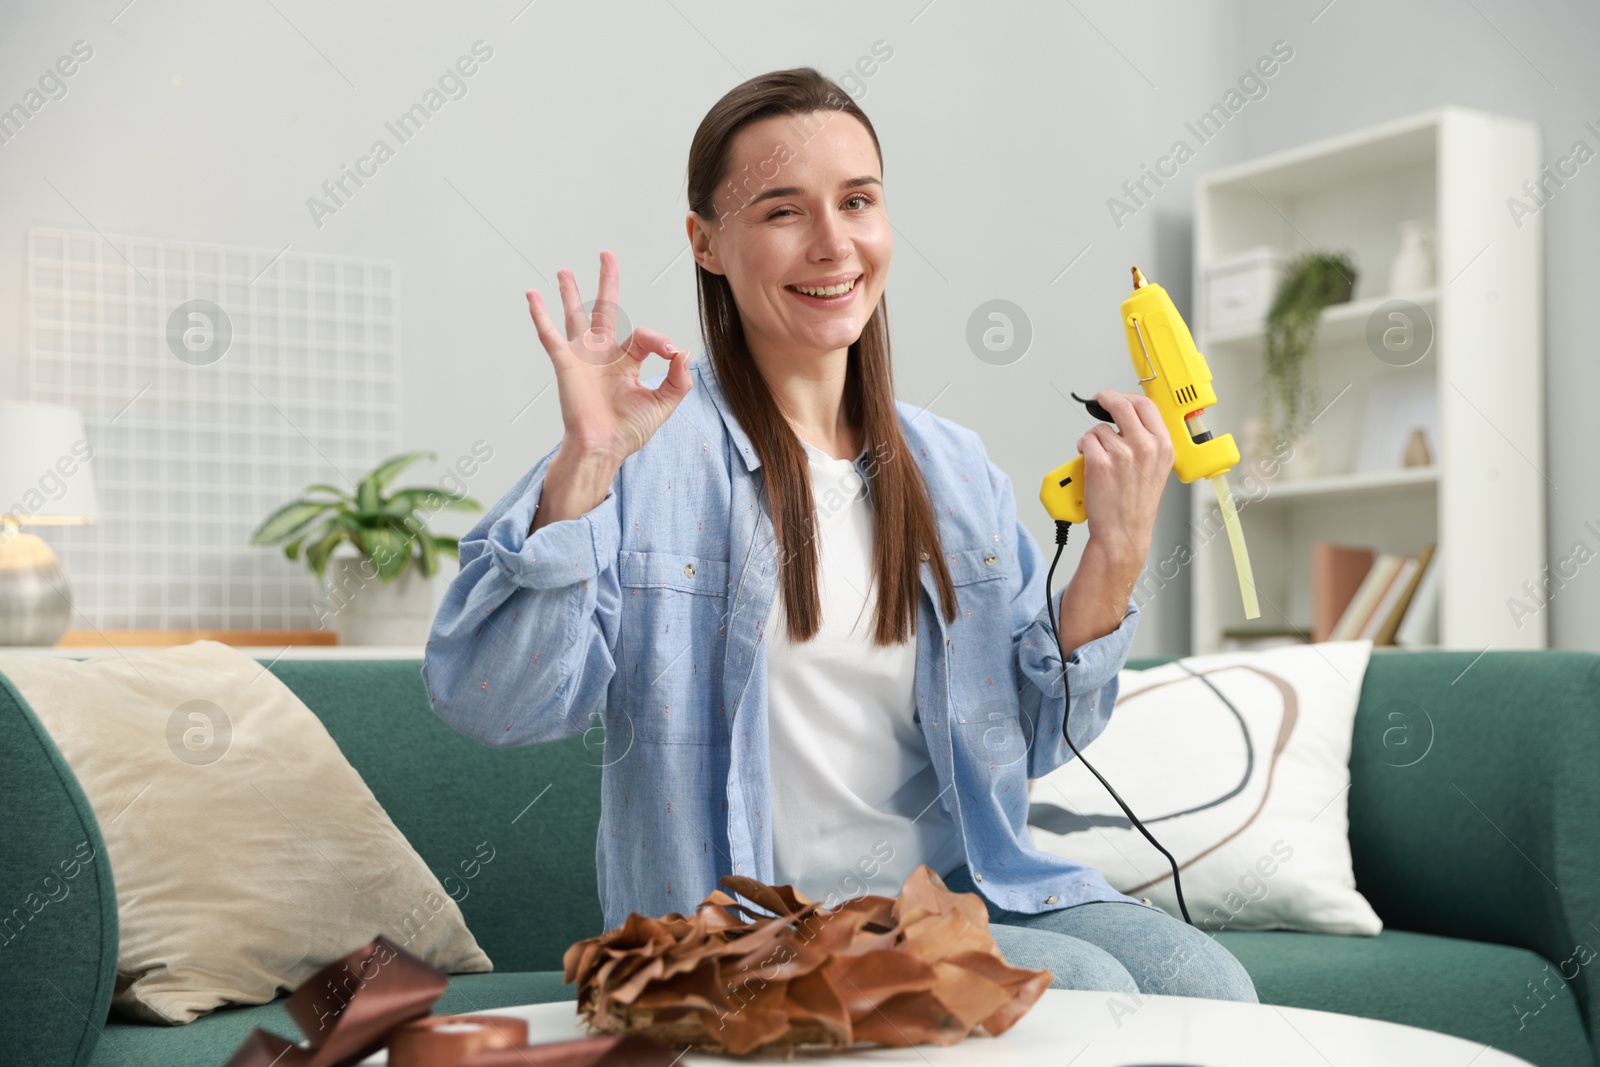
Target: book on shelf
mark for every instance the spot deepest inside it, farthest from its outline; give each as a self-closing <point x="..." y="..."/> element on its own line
<point x="1421" y="623"/>
<point x="1362" y="605"/>
<point x="1391" y="596"/>
<point x="1378" y="608"/>
<point x="1385" y="634"/>
<point x="1337" y="572"/>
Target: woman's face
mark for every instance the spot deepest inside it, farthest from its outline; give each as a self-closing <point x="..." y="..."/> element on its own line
<point x="801" y="207"/>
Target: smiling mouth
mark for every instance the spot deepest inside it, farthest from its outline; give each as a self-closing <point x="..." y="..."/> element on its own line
<point x="827" y="294"/>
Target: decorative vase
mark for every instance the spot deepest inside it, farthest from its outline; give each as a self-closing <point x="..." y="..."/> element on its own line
<point x="1417" y="453"/>
<point x="362" y="610"/>
<point x="1415" y="265"/>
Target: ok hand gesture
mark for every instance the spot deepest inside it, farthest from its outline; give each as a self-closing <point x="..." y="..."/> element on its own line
<point x="607" y="415"/>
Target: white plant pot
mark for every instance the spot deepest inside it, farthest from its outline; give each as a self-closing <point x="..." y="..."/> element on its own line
<point x="363" y="610"/>
<point x="1257" y="450"/>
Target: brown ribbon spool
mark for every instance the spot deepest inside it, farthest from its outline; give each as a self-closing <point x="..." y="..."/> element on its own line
<point x="610" y="1050"/>
<point x="446" y="1040"/>
<point x="347" y="1009"/>
<point x="383" y="993"/>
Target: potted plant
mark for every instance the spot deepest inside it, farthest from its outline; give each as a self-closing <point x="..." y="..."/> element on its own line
<point x="389" y="534"/>
<point x="1312" y="282"/>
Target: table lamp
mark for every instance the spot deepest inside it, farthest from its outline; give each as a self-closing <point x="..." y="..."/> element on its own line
<point x="44" y="480"/>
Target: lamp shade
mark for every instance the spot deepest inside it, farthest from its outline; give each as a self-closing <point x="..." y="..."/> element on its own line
<point x="45" y="476"/>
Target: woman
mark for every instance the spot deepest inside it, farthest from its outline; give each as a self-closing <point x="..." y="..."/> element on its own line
<point x="696" y="559"/>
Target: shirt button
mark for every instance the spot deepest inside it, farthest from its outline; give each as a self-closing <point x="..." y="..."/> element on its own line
<point x="1145" y="900"/>
<point x="1050" y="900"/>
<point x="923" y="556"/>
<point x="688" y="570"/>
<point x="976" y="877"/>
<point x="989" y="560"/>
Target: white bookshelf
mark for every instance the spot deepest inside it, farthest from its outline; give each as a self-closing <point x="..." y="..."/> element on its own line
<point x="1483" y="499"/>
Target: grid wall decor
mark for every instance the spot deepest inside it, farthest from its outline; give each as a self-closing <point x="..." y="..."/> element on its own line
<point x="216" y="383"/>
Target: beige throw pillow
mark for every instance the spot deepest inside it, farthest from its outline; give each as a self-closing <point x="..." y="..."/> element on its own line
<point x="247" y="853"/>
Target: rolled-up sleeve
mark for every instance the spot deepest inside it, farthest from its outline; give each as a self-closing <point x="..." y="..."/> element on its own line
<point x="520" y="650"/>
<point x="1092" y="669"/>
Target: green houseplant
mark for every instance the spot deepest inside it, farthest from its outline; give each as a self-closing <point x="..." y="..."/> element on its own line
<point x="1312" y="282"/>
<point x="383" y="526"/>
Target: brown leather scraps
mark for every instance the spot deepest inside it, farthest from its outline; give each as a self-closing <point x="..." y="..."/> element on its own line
<point x="921" y="968"/>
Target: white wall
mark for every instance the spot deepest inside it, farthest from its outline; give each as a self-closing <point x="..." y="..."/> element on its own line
<point x="1006" y="128"/>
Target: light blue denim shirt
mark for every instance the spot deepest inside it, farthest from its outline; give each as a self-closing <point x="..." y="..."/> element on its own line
<point x="648" y="611"/>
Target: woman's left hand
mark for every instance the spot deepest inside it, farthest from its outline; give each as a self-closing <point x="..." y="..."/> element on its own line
<point x="1124" y="473"/>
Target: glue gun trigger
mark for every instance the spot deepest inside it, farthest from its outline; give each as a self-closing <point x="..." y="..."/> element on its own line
<point x="1094" y="408"/>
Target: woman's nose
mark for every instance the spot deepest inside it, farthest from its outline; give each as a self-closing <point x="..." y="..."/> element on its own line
<point x="829" y="240"/>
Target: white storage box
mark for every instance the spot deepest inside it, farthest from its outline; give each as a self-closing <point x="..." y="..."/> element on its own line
<point x="1239" y="289"/>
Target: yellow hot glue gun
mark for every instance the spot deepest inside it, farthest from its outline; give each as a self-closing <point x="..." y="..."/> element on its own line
<point x="1175" y="376"/>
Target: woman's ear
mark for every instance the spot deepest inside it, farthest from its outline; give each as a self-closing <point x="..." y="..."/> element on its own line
<point x="701" y="243"/>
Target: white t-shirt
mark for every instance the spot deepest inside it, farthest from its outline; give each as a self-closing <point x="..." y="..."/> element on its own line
<point x="853" y="789"/>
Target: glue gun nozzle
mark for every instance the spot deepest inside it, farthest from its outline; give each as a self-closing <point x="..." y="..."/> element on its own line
<point x="1139" y="281"/>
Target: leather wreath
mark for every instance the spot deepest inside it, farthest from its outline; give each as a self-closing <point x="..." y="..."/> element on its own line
<point x="921" y="968"/>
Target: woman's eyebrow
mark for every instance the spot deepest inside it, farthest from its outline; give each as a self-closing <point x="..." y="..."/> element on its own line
<point x="795" y="190"/>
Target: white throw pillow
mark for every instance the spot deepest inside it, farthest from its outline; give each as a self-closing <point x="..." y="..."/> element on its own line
<point x="1250" y="799"/>
<point x="246" y="851"/>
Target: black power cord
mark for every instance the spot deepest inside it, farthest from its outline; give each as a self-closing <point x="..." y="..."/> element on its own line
<point x="1062" y="531"/>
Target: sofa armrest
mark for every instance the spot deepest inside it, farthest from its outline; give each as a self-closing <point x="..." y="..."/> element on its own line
<point x="1475" y="802"/>
<point x="58" y="906"/>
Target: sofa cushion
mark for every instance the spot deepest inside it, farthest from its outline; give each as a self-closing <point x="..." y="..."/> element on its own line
<point x="247" y="852"/>
<point x="537" y="806"/>
<point x="1239" y="764"/>
<point x="1471" y="989"/>
<point x="213" y="1038"/>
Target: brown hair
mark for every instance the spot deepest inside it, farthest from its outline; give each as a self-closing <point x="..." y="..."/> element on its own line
<point x="904" y="526"/>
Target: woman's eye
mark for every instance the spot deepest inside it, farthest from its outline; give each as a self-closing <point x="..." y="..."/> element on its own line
<point x="866" y="202"/>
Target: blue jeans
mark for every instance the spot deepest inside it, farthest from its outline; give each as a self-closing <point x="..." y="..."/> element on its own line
<point x="1114" y="946"/>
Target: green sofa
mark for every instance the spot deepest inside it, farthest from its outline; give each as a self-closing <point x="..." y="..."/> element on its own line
<point x="1482" y="857"/>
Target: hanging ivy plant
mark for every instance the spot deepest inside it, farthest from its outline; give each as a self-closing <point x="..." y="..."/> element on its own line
<point x="1312" y="282"/>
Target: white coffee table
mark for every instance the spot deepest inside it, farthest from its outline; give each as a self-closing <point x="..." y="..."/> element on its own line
<point x="1068" y="1028"/>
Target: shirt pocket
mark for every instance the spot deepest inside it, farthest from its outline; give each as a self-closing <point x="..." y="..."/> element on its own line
<point x="674" y="611"/>
<point x="983" y="608"/>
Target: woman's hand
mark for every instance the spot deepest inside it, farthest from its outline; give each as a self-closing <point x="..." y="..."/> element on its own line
<point x="606" y="414"/>
<point x="1124" y="473"/>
